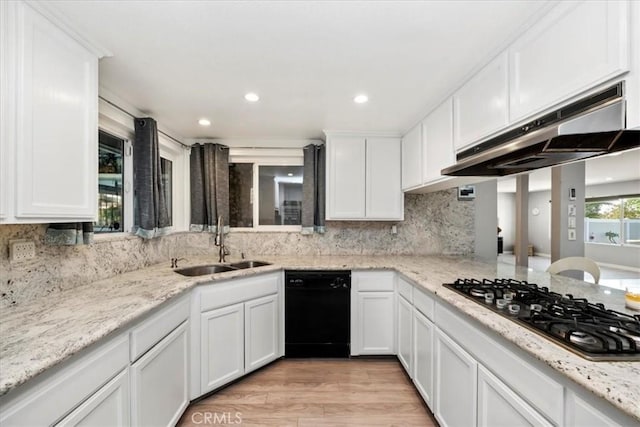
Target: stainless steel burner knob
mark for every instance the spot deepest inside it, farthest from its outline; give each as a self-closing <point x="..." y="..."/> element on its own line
<point x="514" y="309"/>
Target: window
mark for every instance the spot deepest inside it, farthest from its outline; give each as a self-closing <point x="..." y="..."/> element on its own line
<point x="265" y="189"/>
<point x="280" y="199"/>
<point x="110" y="184"/>
<point x="613" y="221"/>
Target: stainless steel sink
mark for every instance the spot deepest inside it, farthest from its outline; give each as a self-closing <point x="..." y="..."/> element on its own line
<point x="249" y="264"/>
<point x="201" y="270"/>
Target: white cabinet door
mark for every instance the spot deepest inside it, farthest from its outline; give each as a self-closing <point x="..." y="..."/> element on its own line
<point x="574" y="47"/>
<point x="423" y="356"/>
<point x="346" y="158"/>
<point x="412" y="158"/>
<point x="405" y="334"/>
<point x="160" y="380"/>
<point x="375" y="323"/>
<point x="108" y="407"/>
<point x="438" y="151"/>
<point x="7" y="106"/>
<point x="56" y="148"/>
<point x="261" y="332"/>
<point x="480" y="107"/>
<point x="222" y="346"/>
<point x="455" y="390"/>
<point x="499" y="406"/>
<point x="579" y="413"/>
<point x="384" y="198"/>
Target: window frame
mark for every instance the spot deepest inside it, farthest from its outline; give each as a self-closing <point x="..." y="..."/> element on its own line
<point x="265" y="157"/>
<point x="180" y="186"/>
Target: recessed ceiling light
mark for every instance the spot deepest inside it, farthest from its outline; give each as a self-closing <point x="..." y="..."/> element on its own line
<point x="608" y="178"/>
<point x="252" y="97"/>
<point x="289" y="174"/>
<point x="360" y="99"/>
<point x="204" y="122"/>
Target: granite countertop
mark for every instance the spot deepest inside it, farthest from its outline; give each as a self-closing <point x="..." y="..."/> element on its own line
<point x="40" y="335"/>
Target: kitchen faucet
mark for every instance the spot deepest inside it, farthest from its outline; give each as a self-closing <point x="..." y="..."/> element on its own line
<point x="220" y="240"/>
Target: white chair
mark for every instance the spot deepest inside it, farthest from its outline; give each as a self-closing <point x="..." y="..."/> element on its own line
<point x="576" y="263"/>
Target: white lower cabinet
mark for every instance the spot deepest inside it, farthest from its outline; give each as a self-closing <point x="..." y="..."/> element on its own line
<point x="238" y="339"/>
<point x="373" y="311"/>
<point x="108" y="407"/>
<point x="499" y="406"/>
<point x="405" y="333"/>
<point x="239" y="329"/>
<point x="159" y="381"/>
<point x="579" y="413"/>
<point x="88" y="378"/>
<point x="456" y="384"/>
<point x="222" y="346"/>
<point x="423" y="330"/>
<point x="261" y="332"/>
<point x="375" y="320"/>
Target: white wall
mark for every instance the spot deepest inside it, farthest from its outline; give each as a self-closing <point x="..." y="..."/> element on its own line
<point x="624" y="188"/>
<point x="506" y="219"/>
<point x="539" y="225"/>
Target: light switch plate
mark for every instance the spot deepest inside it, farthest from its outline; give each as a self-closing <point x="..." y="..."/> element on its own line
<point x="572" y="234"/>
<point x="572" y="222"/>
<point x="572" y="210"/>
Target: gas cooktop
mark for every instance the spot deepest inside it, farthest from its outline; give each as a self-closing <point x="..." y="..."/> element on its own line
<point x="587" y="329"/>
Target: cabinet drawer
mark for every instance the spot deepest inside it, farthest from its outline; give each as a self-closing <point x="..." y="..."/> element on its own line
<point x="157" y="327"/>
<point x="44" y="403"/>
<point x="405" y="289"/>
<point x="372" y="281"/>
<point x="238" y="290"/>
<point x="424" y="303"/>
<point x="504" y="364"/>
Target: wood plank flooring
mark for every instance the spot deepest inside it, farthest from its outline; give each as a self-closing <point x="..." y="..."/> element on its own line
<point x="316" y="392"/>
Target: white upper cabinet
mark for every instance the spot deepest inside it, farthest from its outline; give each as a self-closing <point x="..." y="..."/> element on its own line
<point x="412" y="158"/>
<point x="384" y="199"/>
<point x="480" y="107"/>
<point x="364" y="178"/>
<point x="346" y="159"/>
<point x="50" y="113"/>
<point x="576" y="46"/>
<point x="438" y="151"/>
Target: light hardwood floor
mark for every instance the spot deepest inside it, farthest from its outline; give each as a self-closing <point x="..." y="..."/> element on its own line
<point x="316" y="392"/>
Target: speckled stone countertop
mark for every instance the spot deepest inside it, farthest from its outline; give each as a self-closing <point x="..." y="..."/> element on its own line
<point x="37" y="336"/>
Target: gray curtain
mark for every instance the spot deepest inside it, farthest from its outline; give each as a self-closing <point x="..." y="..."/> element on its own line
<point x="151" y="213"/>
<point x="69" y="234"/>
<point x="313" y="189"/>
<point x="209" y="186"/>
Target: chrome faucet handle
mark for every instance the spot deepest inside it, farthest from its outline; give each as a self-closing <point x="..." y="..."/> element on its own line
<point x="174" y="262"/>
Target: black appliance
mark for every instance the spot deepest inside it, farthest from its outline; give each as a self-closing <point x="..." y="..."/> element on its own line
<point x="590" y="127"/>
<point x="317" y="313"/>
<point x="587" y="329"/>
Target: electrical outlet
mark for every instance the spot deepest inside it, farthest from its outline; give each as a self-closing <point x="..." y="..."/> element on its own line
<point x="20" y="250"/>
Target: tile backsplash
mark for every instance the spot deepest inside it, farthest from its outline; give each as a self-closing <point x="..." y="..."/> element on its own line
<point x="435" y="223"/>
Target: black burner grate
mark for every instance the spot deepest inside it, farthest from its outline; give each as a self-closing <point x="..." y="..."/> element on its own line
<point x="590" y="330"/>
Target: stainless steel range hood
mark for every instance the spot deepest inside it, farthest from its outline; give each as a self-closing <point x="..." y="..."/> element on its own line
<point x="590" y="127"/>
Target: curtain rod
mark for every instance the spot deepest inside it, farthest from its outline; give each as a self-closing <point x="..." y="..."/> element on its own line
<point x="134" y="117"/>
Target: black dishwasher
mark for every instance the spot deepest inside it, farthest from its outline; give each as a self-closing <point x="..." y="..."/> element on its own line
<point x="317" y="313"/>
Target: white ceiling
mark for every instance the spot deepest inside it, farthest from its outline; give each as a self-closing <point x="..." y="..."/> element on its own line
<point x="179" y="61"/>
<point x="622" y="167"/>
